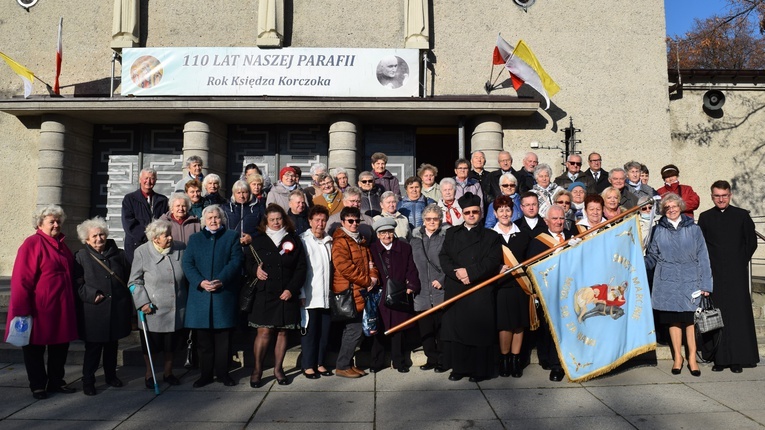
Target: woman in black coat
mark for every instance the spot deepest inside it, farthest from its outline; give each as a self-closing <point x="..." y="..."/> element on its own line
<point x="277" y="258"/>
<point x="105" y="303"/>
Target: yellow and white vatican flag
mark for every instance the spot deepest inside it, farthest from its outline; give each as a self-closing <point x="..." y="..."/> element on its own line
<point x="26" y="75"/>
<point x="596" y="301"/>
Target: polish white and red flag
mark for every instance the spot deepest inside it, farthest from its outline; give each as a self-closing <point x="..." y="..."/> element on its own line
<point x="59" y="54"/>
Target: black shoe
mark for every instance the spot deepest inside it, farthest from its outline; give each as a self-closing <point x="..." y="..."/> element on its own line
<point x="114" y="382"/>
<point x="313" y="375"/>
<point x="504" y="365"/>
<point x="476" y="379"/>
<point x="256" y="382"/>
<point x="676" y="371"/>
<point x="283" y="380"/>
<point x="403" y="369"/>
<point x="227" y="381"/>
<point x="201" y="382"/>
<point x="89" y="389"/>
<point x="718" y="368"/>
<point x="455" y="376"/>
<point x="149" y="383"/>
<point x="695" y="373"/>
<point x="40" y="394"/>
<point x="516" y="367"/>
<point x="556" y="375"/>
<point x="736" y="368"/>
<point x="440" y="369"/>
<point x="326" y="373"/>
<point x="172" y="380"/>
<point x="428" y="366"/>
<point x="61" y="389"/>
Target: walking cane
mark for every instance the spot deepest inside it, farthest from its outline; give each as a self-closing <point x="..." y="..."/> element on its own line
<point x="142" y="317"/>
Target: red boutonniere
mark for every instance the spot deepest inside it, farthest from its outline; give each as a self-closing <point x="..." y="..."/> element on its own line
<point x="287" y="247"/>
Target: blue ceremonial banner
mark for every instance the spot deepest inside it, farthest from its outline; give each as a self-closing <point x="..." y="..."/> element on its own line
<point x="596" y="301"/>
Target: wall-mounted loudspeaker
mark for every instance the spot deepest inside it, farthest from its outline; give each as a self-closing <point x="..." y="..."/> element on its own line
<point x="714" y="100"/>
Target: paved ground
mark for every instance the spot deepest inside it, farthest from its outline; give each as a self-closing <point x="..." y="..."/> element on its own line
<point x="646" y="397"/>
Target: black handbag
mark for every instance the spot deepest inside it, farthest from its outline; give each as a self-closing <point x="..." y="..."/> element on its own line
<point x="396" y="297"/>
<point x="247" y="293"/>
<point x="707" y="317"/>
<point x="342" y="307"/>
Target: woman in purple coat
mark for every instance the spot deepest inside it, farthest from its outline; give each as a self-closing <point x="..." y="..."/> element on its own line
<point x="393" y="258"/>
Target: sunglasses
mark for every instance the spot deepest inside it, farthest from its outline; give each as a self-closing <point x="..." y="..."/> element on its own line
<point x="352" y="221"/>
<point x="575" y="163"/>
<point x="646" y="209"/>
<point x="473" y="212"/>
<point x="368" y="181"/>
<point x="563" y="202"/>
<point x="508" y="185"/>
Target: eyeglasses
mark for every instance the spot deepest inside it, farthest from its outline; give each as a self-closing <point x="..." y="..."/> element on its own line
<point x="431" y="219"/>
<point x="384" y="232"/>
<point x="326" y="184"/>
<point x="352" y="221"/>
<point x="575" y="163"/>
<point x="473" y="212"/>
<point x="461" y="168"/>
<point x="563" y="202"/>
<point x="508" y="185"/>
<point x="597" y="160"/>
<point x="366" y="181"/>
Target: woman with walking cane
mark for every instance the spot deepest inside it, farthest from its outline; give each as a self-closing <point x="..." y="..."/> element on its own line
<point x="159" y="292"/>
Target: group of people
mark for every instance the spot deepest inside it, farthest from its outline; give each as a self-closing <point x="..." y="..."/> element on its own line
<point x="196" y="263"/>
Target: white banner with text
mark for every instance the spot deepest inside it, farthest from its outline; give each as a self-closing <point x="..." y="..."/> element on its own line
<point x="316" y="72"/>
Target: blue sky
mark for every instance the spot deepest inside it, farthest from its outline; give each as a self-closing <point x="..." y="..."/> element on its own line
<point x="680" y="13"/>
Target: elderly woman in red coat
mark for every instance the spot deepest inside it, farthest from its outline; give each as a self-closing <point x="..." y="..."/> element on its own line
<point x="393" y="258"/>
<point x="41" y="287"/>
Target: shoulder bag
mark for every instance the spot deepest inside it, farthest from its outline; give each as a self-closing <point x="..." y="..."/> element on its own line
<point x="396" y="297"/>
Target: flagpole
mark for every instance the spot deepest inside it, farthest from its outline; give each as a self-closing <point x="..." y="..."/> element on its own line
<point x="528" y="262"/>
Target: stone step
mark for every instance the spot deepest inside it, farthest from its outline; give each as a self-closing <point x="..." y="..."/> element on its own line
<point x="130" y="353"/>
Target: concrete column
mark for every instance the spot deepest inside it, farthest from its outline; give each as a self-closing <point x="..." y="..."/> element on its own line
<point x="65" y="158"/>
<point x="487" y="137"/>
<point x="343" y="146"/>
<point x="206" y="137"/>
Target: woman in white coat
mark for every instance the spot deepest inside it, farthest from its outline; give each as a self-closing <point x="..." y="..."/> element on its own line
<point x="314" y="296"/>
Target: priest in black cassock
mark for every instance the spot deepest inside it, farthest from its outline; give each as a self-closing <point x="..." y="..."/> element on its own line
<point x="731" y="242"/>
<point x="470" y="255"/>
